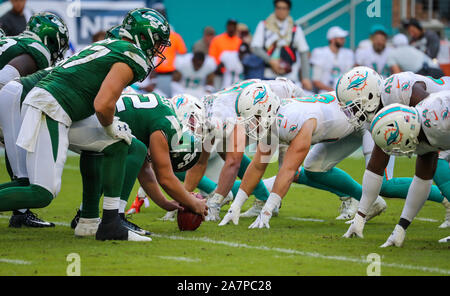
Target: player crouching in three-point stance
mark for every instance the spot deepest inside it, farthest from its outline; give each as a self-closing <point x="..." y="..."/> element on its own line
<point x="402" y="130"/>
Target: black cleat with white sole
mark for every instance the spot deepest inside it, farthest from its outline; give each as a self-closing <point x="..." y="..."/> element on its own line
<point x="74" y="222"/>
<point x="28" y="219"/>
<point x="133" y="227"/>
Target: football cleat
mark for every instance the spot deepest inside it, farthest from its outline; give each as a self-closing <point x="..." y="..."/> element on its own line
<point x="28" y="219"/>
<point x="445" y="240"/>
<point x="378" y="207"/>
<point x="116" y="231"/>
<point x="87" y="226"/>
<point x="356" y="228"/>
<point x="396" y="238"/>
<point x="136" y="206"/>
<point x="254" y="210"/>
<point x="348" y="208"/>
<point x="169" y="216"/>
<point x="74" y="222"/>
<point x="446" y="223"/>
<point x="227" y="199"/>
<point x="133" y="227"/>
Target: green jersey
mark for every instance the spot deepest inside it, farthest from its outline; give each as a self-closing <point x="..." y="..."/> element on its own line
<point x="11" y="47"/>
<point x="28" y="82"/>
<point x="76" y="82"/>
<point x="148" y="113"/>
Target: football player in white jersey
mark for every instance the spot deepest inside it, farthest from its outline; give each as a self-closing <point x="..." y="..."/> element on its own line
<point x="407" y="89"/>
<point x="194" y="74"/>
<point x="423" y="130"/>
<point x="228" y="136"/>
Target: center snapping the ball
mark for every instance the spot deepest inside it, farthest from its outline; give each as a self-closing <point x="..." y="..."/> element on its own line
<point x="188" y="220"/>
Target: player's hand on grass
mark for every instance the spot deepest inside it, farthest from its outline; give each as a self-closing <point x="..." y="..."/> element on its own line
<point x="232" y="215"/>
<point x="356" y="227"/>
<point x="119" y="130"/>
<point x="262" y="220"/>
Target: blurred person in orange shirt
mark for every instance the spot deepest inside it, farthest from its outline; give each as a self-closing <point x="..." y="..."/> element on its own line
<point x="228" y="40"/>
<point x="167" y="67"/>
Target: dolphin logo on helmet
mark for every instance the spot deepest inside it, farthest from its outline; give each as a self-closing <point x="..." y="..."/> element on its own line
<point x="360" y="80"/>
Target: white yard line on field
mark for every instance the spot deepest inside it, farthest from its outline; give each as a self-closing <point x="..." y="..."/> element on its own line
<point x="14" y="261"/>
<point x="360" y="260"/>
<point x="427" y="220"/>
<point x="305" y="219"/>
<point x="185" y="259"/>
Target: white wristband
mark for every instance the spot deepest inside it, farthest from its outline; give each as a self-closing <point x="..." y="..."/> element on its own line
<point x="272" y="202"/>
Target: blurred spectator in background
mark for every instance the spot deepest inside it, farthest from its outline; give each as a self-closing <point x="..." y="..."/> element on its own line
<point x="194" y="75"/>
<point x="244" y="33"/>
<point x="202" y="45"/>
<point x="100" y="35"/>
<point x="375" y="54"/>
<point x="405" y="57"/>
<point x="232" y="62"/>
<point x="330" y="62"/>
<point x="149" y="85"/>
<point x="225" y="41"/>
<point x="282" y="46"/>
<point x="14" y="21"/>
<point x="425" y="41"/>
<point x="167" y="67"/>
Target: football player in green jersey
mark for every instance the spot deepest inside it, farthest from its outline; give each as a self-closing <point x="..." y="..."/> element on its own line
<point x="85" y="84"/>
<point x="44" y="41"/>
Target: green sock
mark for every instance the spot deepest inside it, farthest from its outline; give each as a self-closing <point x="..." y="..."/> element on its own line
<point x="338" y="181"/>
<point x="114" y="161"/>
<point x="91" y="175"/>
<point x="442" y="177"/>
<point x="398" y="188"/>
<point x="301" y="178"/>
<point x="29" y="197"/>
<point x="134" y="160"/>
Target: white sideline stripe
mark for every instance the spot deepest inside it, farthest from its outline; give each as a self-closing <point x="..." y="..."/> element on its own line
<point x="15" y="261"/>
<point x="427" y="220"/>
<point x="302" y="253"/>
<point x="305" y="219"/>
<point x="185" y="259"/>
<point x="292" y="252"/>
<point x="56" y="223"/>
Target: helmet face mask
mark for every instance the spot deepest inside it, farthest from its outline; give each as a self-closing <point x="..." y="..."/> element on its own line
<point x="191" y="112"/>
<point x="395" y="129"/>
<point x="359" y="94"/>
<point x="257" y="106"/>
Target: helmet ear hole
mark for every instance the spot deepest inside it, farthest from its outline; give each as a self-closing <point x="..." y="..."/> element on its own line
<point x="370" y="96"/>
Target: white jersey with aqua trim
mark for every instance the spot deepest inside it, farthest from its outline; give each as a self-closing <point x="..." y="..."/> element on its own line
<point x="434" y="114"/>
<point x="332" y="123"/>
<point x="221" y="106"/>
<point x="398" y="87"/>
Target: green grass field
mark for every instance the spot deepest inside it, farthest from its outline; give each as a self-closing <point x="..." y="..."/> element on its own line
<point x="305" y="239"/>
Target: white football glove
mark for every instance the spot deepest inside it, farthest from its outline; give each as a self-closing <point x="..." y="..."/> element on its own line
<point x="119" y="130"/>
<point x="232" y="215"/>
<point x="262" y="220"/>
<point x="169" y="216"/>
<point x="396" y="238"/>
<point x="356" y="228"/>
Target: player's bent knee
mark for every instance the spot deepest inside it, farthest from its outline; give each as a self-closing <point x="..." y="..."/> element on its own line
<point x="43" y="196"/>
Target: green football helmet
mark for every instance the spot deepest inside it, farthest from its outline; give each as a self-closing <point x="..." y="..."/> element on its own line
<point x="51" y="30"/>
<point x="150" y="31"/>
<point x="113" y="32"/>
<point x="2" y="33"/>
<point x="185" y="153"/>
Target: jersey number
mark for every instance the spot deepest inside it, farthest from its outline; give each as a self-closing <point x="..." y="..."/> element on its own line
<point x="5" y="44"/>
<point x="98" y="51"/>
<point x="137" y="102"/>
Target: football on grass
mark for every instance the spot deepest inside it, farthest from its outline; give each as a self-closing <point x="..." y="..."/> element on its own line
<point x="188" y="220"/>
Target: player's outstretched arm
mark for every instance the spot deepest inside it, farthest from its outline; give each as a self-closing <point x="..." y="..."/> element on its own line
<point x="295" y="155"/>
<point x="195" y="174"/>
<point x="148" y="182"/>
<point x="159" y="150"/>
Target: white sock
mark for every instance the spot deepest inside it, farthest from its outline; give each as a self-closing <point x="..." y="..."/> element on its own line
<point x="269" y="182"/>
<point x="240" y="199"/>
<point x="122" y="206"/>
<point x="111" y="203"/>
<point x="272" y="202"/>
<point x="22" y="211"/>
<point x="371" y="187"/>
<point x="417" y="195"/>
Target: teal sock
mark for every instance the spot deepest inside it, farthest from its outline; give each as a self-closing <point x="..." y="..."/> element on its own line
<point x="29" y="197"/>
<point x="338" y="181"/>
<point x="235" y="188"/>
<point x="92" y="178"/>
<point x="398" y="188"/>
<point x="134" y="160"/>
<point x="114" y="162"/>
<point x="206" y="184"/>
<point x="301" y="178"/>
<point x="442" y="177"/>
